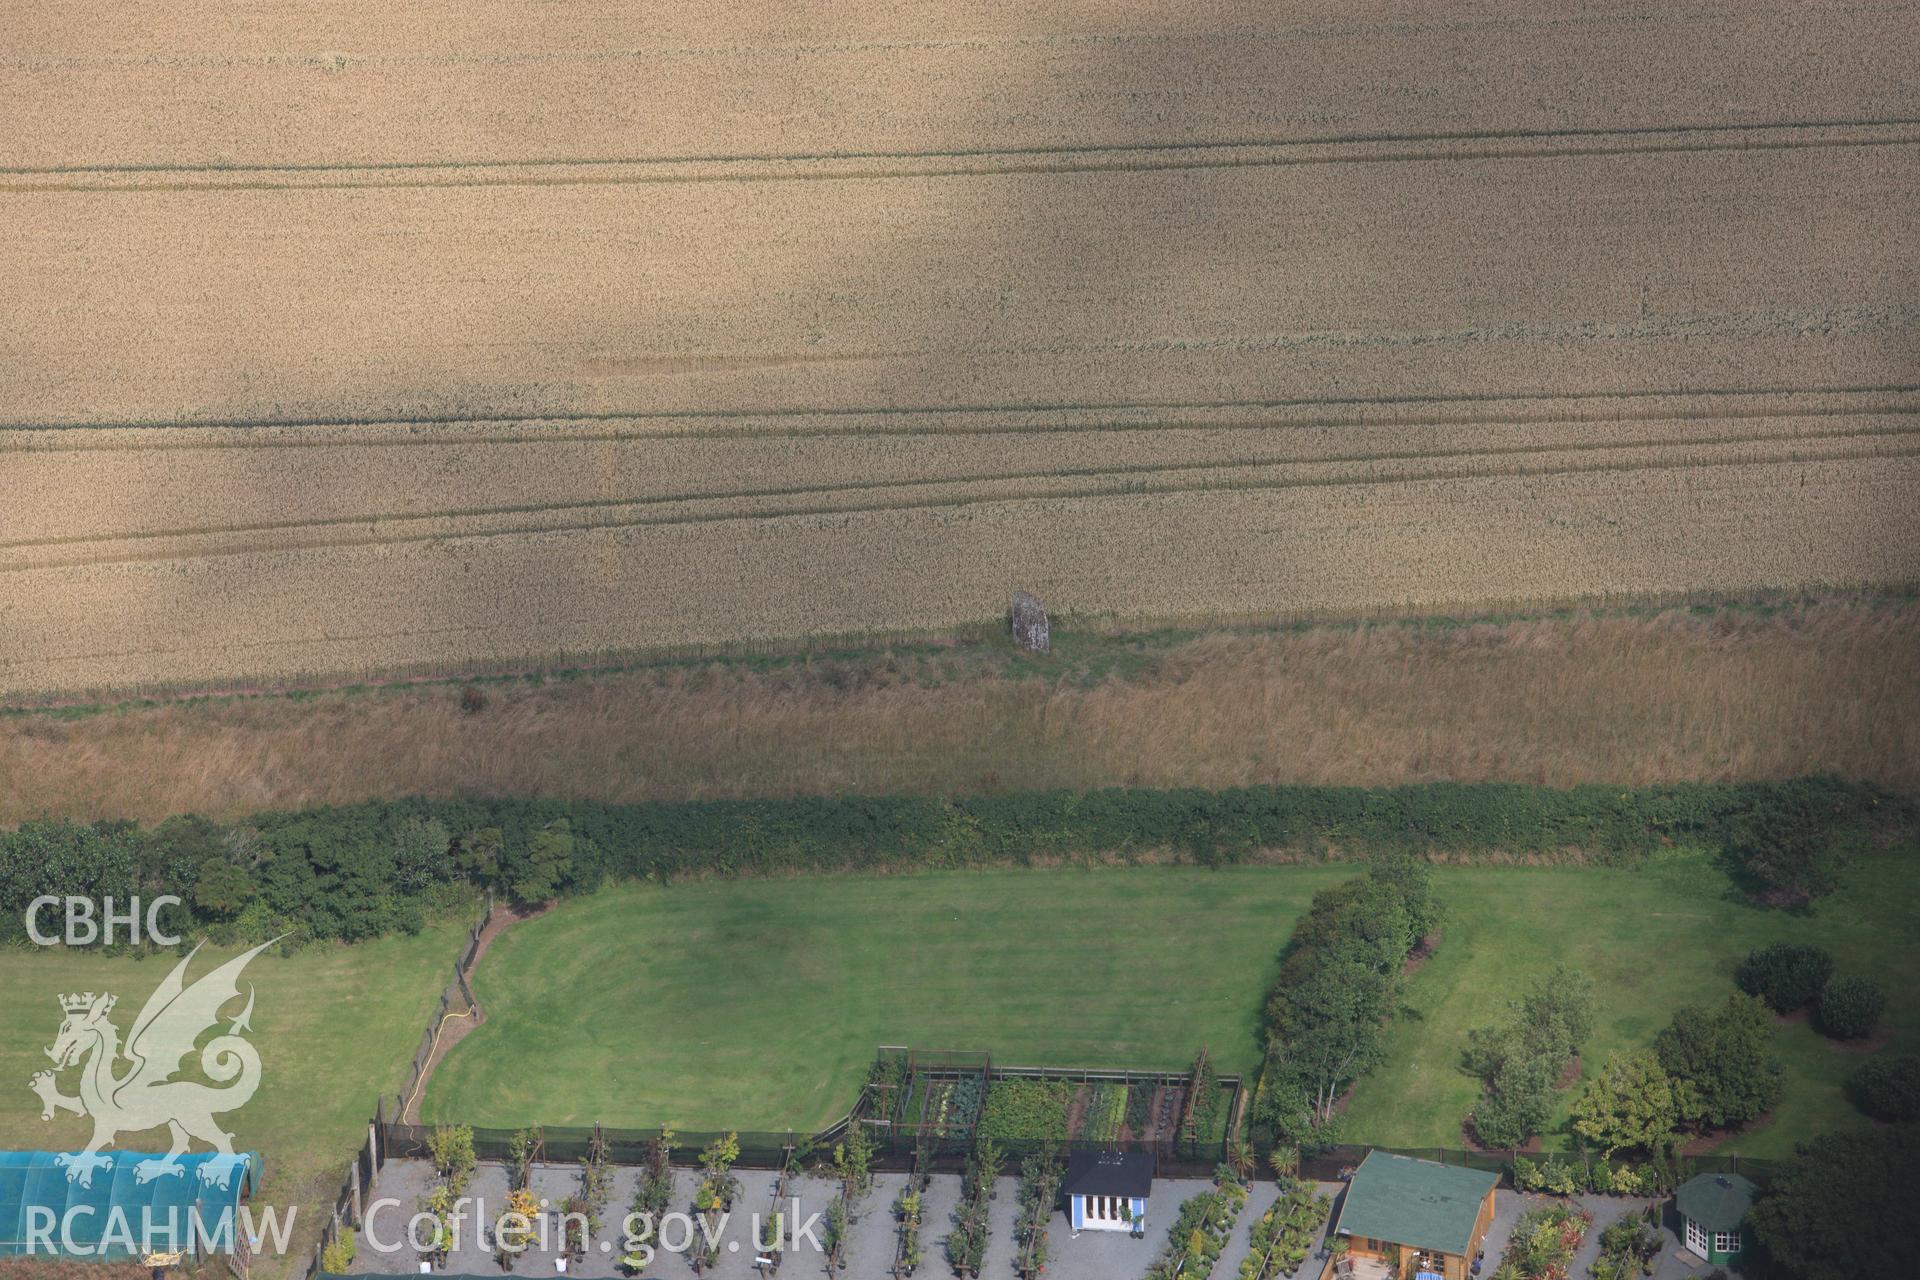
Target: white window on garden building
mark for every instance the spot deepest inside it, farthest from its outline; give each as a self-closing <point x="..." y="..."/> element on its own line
<point x="1726" y="1242"/>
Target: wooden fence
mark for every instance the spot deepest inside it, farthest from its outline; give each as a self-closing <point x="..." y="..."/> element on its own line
<point x="458" y="991"/>
<point x="347" y="1211"/>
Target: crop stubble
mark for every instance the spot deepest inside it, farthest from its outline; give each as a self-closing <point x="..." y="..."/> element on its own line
<point x="826" y="329"/>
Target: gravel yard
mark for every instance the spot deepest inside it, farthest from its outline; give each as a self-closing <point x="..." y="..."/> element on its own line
<point x="1092" y="1255"/>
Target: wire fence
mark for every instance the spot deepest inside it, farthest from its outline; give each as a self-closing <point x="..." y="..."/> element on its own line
<point x="773" y="1151"/>
<point x="347" y="1209"/>
<point x="899" y="1143"/>
<point x="1172" y="1133"/>
<point x="568" y="1144"/>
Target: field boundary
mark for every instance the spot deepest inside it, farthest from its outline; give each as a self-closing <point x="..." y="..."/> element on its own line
<point x="800" y="649"/>
<point x="899" y="1145"/>
<point x="364" y="1169"/>
<point x="480" y="936"/>
<point x="905" y="1146"/>
<point x="452" y="1028"/>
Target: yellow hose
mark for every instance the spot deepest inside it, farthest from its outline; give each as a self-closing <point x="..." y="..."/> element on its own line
<point x="426" y="1070"/>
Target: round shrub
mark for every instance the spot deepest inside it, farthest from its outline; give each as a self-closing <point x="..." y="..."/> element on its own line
<point x="1888" y="1088"/>
<point x="1787" y="975"/>
<point x="1850" y="1008"/>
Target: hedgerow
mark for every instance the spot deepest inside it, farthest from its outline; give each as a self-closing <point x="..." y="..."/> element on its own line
<point x="362" y="870"/>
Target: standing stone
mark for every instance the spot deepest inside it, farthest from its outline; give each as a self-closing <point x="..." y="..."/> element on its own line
<point x="1028" y="619"/>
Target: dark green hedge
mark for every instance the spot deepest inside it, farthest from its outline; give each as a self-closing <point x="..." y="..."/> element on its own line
<point x="341" y="872"/>
<point x="1605" y="824"/>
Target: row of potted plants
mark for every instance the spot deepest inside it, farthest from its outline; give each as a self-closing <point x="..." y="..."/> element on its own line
<point x="1200" y="1233"/>
<point x="1281" y="1238"/>
<point x="1039" y="1188"/>
<point x="966" y="1244"/>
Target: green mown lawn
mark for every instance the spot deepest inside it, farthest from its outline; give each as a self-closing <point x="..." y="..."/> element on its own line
<point x="335" y="1026"/>
<point x="758" y="1004"/>
<point x="1653" y="940"/>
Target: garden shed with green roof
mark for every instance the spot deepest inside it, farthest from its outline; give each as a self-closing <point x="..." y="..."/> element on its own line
<point x="1713" y="1214"/>
<point x="1402" y="1217"/>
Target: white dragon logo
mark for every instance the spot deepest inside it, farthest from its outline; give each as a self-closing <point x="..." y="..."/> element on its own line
<point x="146" y="1096"/>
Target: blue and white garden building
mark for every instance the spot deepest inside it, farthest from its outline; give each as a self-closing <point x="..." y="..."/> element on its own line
<point x="1107" y="1190"/>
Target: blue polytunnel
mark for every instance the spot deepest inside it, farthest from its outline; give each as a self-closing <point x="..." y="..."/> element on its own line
<point x="116" y="1217"/>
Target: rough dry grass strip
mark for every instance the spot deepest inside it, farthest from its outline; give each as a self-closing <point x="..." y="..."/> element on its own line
<point x="1828" y="688"/>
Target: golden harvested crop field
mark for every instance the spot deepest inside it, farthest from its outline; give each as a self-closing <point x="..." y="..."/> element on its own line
<point x="343" y="338"/>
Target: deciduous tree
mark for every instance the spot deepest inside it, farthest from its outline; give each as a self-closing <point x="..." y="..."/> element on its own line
<point x="1629" y="1105"/>
<point x="542" y="867"/>
<point x="222" y="888"/>
<point x="1726" y="1056"/>
<point x="1850" y="1008"/>
<point x="420" y="853"/>
<point x="1520" y="1058"/>
<point x="1786" y="847"/>
<point x="1888" y="1088"/>
<point x="1841" y="1208"/>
